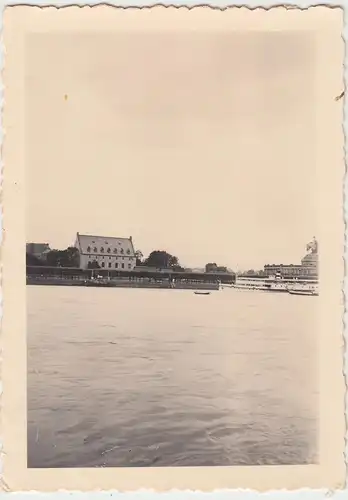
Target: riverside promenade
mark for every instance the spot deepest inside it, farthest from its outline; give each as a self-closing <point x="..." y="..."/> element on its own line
<point x="40" y="275"/>
<point x="121" y="283"/>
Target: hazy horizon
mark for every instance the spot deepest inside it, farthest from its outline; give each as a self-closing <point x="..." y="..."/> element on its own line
<point x="200" y="144"/>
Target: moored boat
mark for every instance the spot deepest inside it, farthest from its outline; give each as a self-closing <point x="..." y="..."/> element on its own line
<point x="276" y="284"/>
<point x="246" y="283"/>
<point x="304" y="289"/>
<point x="266" y="284"/>
<point x="303" y="292"/>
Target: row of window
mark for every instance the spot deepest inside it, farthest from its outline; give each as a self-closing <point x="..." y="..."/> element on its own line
<point x="110" y="265"/>
<point x="108" y="250"/>
<point x="105" y="257"/>
<point x="292" y="271"/>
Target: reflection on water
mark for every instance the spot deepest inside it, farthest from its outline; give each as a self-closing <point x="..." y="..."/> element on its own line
<point x="136" y="377"/>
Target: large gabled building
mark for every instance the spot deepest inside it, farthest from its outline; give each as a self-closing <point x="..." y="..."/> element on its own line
<point x="106" y="252"/>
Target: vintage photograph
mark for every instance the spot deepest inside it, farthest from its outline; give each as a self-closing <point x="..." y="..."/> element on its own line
<point x="175" y="246"/>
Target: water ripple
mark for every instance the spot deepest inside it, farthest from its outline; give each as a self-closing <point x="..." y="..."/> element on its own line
<point x="151" y="379"/>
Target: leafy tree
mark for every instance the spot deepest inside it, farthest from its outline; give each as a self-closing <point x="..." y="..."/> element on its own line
<point x="139" y="257"/>
<point x="63" y="258"/>
<point x="161" y="259"/>
<point x="32" y="260"/>
<point x="72" y="257"/>
<point x="93" y="265"/>
<point x="54" y="258"/>
<point x="180" y="269"/>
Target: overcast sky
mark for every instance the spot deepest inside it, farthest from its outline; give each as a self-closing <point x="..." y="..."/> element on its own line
<point x="200" y="144"/>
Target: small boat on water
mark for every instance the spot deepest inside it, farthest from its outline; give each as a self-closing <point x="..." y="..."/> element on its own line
<point x="305" y="290"/>
<point x="201" y="293"/>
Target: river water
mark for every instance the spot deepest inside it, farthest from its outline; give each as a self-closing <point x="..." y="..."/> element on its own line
<point x="139" y="377"/>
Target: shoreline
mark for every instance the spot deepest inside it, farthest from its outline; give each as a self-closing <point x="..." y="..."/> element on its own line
<point x="120" y="284"/>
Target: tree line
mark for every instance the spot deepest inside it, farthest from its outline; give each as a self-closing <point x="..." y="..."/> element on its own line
<point x="159" y="259"/>
<point x="70" y="258"/>
<point x="55" y="258"/>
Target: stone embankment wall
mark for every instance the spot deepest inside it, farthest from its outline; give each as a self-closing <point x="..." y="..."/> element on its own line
<point x="121" y="283"/>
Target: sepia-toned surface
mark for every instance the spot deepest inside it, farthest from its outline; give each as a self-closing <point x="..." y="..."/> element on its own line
<point x="145" y="105"/>
<point x="184" y="382"/>
<point x="324" y="26"/>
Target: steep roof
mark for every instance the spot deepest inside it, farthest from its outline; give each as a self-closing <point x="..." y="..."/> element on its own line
<point x="104" y="245"/>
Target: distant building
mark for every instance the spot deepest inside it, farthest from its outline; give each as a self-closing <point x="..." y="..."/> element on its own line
<point x="212" y="267"/>
<point x="307" y="268"/>
<point x="105" y="252"/>
<point x="38" y="250"/>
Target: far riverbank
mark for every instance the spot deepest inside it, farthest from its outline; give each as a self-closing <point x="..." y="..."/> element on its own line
<point x="136" y="278"/>
<point x="120" y="283"/>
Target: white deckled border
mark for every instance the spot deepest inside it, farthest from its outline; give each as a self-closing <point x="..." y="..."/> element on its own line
<point x="304" y="494"/>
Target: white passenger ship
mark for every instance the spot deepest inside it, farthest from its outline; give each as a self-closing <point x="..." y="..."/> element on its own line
<point x="305" y="283"/>
<point x="277" y="283"/>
